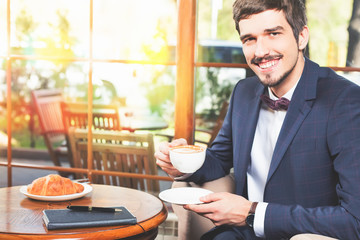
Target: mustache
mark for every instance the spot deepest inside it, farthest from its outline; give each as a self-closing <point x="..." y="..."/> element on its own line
<point x="257" y="60"/>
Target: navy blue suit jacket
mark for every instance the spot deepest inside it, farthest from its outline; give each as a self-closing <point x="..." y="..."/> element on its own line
<point x="313" y="185"/>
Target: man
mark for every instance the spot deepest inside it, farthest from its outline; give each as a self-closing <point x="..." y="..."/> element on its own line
<point x="296" y="168"/>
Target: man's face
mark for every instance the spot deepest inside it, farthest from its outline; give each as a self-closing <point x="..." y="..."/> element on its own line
<point x="270" y="47"/>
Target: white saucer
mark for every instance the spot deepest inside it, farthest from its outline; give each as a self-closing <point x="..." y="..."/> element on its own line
<point x="87" y="189"/>
<point x="184" y="195"/>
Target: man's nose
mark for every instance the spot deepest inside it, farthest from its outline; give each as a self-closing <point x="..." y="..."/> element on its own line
<point x="262" y="48"/>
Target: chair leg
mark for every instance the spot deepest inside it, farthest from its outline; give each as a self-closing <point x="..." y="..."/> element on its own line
<point x="54" y="158"/>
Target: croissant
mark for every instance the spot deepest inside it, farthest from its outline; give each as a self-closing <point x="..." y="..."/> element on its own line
<point x="54" y="185"/>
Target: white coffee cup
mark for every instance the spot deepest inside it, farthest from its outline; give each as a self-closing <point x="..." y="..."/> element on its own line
<point x="187" y="158"/>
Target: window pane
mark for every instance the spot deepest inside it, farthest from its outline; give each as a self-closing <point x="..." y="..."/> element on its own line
<point x="220" y="51"/>
<point x="70" y="78"/>
<point x="328" y="31"/>
<point x="3" y="35"/>
<point x="145" y="89"/>
<point x="352" y="76"/>
<point x="134" y="30"/>
<point x="3" y="123"/>
<point x="215" y="20"/>
<point x="213" y="87"/>
<point x="60" y="29"/>
<point x="218" y="41"/>
<point x="3" y="119"/>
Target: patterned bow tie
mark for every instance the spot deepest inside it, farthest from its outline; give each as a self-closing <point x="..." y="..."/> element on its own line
<point x="281" y="103"/>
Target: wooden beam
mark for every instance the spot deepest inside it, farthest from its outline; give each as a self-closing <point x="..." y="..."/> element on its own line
<point x="185" y="53"/>
<point x="8" y="97"/>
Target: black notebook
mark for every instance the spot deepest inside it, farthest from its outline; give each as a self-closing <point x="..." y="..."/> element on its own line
<point x="66" y="218"/>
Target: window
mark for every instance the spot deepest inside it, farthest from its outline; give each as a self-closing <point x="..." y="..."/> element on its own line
<point x="116" y="47"/>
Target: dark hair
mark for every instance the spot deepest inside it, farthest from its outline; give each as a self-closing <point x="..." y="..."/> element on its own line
<point x="294" y="11"/>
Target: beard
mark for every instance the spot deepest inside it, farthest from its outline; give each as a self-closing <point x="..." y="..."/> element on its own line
<point x="268" y="80"/>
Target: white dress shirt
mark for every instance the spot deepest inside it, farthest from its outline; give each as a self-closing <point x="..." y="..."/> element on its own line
<point x="266" y="134"/>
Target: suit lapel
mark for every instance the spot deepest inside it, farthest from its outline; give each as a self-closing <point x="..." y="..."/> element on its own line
<point x="300" y="106"/>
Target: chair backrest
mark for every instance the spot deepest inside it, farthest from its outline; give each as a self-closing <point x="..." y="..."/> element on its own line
<point x="104" y="116"/>
<point x="219" y="121"/>
<point x="47" y="103"/>
<point x="117" y="151"/>
<point x="217" y="126"/>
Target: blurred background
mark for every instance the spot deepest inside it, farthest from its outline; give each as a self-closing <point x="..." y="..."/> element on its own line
<point x="131" y="48"/>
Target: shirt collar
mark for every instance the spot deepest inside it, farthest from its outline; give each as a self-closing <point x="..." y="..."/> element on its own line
<point x="287" y="95"/>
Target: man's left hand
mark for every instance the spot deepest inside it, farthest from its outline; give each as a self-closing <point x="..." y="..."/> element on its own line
<point x="223" y="208"/>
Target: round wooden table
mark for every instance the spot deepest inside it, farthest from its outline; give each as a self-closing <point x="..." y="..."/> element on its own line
<point x="21" y="217"/>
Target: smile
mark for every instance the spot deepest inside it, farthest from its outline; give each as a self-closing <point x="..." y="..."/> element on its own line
<point x="268" y="64"/>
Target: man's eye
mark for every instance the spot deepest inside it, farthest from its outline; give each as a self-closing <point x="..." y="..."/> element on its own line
<point x="274" y="33"/>
<point x="247" y="40"/>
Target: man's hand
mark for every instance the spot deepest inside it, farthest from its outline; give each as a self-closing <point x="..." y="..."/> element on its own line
<point x="163" y="159"/>
<point x="223" y="208"/>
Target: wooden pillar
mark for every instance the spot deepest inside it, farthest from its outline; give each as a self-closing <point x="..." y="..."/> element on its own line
<point x="184" y="93"/>
<point x="8" y="97"/>
<point x="90" y="97"/>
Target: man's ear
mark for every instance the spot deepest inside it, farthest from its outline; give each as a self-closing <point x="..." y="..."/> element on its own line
<point x="303" y="38"/>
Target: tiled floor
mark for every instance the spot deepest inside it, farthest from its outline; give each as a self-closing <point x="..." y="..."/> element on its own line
<point x="168" y="229"/>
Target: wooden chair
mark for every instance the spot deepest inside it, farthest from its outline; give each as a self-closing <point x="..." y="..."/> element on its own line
<point x="104" y="116"/>
<point x="117" y="151"/>
<point x="212" y="133"/>
<point x="47" y="105"/>
<point x="218" y="124"/>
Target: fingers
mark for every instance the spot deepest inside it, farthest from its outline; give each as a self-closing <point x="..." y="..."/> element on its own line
<point x="164" y="148"/>
<point x="173" y="172"/>
<point x="223" y="208"/>
<point x="207" y="211"/>
<point x="206" y="207"/>
<point x="163" y="159"/>
<point x="178" y="142"/>
<point x="212" y="203"/>
<point x="212" y="197"/>
<point x="160" y="155"/>
<point x="168" y="168"/>
<point x="164" y="163"/>
<point x="199" y="208"/>
<point x="163" y="152"/>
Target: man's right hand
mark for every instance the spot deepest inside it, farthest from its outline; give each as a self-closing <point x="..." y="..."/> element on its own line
<point x="163" y="159"/>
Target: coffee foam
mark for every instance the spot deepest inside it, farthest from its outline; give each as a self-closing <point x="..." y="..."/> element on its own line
<point x="187" y="149"/>
<point x="184" y="150"/>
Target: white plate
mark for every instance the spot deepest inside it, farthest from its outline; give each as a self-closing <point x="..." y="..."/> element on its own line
<point x="87" y="189"/>
<point x="184" y="195"/>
